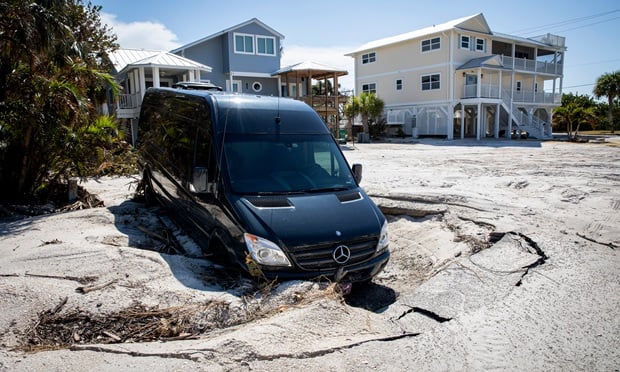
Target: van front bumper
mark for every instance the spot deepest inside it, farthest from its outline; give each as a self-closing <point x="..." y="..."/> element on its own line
<point x="358" y="272"/>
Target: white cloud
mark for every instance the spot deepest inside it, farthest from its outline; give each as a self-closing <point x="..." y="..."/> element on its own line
<point x="332" y="56"/>
<point x="141" y="35"/>
<point x="156" y="36"/>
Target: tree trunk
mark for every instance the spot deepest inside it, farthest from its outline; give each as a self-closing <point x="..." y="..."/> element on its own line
<point x="23" y="173"/>
<point x="611" y="114"/>
<point x="349" y="128"/>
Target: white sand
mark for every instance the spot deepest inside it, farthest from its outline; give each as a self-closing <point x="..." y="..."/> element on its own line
<point x="447" y="300"/>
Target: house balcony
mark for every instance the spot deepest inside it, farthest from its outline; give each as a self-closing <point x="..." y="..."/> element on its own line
<point x="322" y="104"/>
<point x="522" y="96"/>
<point x="128" y="106"/>
<point x="530" y="65"/>
<point x="486" y="91"/>
<point x="536" y="97"/>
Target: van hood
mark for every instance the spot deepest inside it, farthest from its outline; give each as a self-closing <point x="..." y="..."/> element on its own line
<point x="309" y="219"/>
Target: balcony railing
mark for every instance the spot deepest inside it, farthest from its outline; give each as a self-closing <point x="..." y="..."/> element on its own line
<point x="129" y="101"/>
<point x="536" y="97"/>
<point x="531" y="65"/>
<point x="522" y="96"/>
<point x="323" y="103"/>
<point x="486" y="91"/>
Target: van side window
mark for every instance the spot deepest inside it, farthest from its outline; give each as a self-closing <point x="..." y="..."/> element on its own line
<point x="182" y="136"/>
<point x="176" y="132"/>
<point x="204" y="152"/>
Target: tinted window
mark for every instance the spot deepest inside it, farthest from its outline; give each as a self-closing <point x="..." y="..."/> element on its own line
<point x="285" y="164"/>
<point x="175" y="132"/>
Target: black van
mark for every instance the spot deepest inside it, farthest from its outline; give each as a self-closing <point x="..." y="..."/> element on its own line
<point x="260" y="180"/>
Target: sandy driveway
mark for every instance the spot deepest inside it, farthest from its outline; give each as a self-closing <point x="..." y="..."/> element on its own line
<point x="504" y="256"/>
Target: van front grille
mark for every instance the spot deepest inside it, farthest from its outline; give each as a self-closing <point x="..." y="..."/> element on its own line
<point x="320" y="257"/>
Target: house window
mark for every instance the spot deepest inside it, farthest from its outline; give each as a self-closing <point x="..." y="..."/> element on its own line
<point x="481" y="45"/>
<point x="234" y="86"/>
<point x="399" y="84"/>
<point x="257" y="86"/>
<point x="369" y="88"/>
<point x="244" y="43"/>
<point x="265" y="46"/>
<point x="518" y="87"/>
<point x="464" y="42"/>
<point x="369" y="58"/>
<point x="431" y="44"/>
<point x="292" y="90"/>
<point x="430" y="82"/>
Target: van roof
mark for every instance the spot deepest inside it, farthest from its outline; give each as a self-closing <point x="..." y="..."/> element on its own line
<point x="246" y="113"/>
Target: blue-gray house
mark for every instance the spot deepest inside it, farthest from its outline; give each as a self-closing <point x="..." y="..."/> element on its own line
<point x="242" y="58"/>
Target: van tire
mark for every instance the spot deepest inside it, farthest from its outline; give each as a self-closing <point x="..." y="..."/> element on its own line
<point x="217" y="252"/>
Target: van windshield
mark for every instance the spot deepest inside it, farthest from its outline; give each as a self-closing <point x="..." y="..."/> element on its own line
<point x="283" y="164"/>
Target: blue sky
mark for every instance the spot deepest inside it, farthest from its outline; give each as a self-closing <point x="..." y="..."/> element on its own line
<point x="324" y="30"/>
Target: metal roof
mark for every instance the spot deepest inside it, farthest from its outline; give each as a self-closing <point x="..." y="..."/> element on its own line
<point x="123" y="59"/>
<point x="464" y="23"/>
<point x="486" y="62"/>
<point x="217" y="34"/>
<point x="316" y="68"/>
<point x="422" y="32"/>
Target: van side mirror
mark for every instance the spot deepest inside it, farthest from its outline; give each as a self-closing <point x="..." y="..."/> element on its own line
<point x="357" y="172"/>
<point x="199" y="180"/>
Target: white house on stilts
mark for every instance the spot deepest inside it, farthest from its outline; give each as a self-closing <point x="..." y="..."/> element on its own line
<point x="459" y="79"/>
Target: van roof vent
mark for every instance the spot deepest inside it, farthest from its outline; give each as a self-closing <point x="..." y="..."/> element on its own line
<point x="269" y="202"/>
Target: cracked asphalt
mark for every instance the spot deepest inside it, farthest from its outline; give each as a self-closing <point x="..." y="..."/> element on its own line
<point x="504" y="256"/>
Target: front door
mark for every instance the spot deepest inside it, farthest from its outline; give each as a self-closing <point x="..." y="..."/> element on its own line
<point x="471" y="82"/>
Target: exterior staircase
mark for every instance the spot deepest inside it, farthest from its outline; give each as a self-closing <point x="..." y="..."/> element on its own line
<point x="522" y="121"/>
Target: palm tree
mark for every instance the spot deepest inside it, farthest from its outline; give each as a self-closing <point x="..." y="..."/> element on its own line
<point x="608" y="85"/>
<point x="573" y="115"/>
<point x="368" y="105"/>
<point x="51" y="78"/>
<point x="371" y="107"/>
<point x="351" y="110"/>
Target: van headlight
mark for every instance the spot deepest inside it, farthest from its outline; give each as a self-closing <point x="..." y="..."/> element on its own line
<point x="265" y="252"/>
<point x="384" y="238"/>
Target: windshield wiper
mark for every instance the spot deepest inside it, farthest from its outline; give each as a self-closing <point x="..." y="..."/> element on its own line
<point x="271" y="193"/>
<point x="326" y="189"/>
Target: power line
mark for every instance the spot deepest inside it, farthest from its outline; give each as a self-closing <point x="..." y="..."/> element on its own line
<point x="562" y="23"/>
<point x="578" y="86"/>
<point x="591" y="63"/>
<point x="590" y="24"/>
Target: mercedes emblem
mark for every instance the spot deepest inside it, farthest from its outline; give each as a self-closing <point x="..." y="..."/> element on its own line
<point x="341" y="254"/>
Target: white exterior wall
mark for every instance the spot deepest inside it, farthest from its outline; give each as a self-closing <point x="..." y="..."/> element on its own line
<point x="434" y="109"/>
<point x="407" y="62"/>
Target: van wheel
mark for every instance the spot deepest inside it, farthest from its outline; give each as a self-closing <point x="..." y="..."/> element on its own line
<point x="217" y="252"/>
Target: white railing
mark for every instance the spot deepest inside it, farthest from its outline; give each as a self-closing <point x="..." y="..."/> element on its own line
<point x="486" y="91"/>
<point x="522" y="96"/>
<point x="529" y="96"/>
<point x="532" y="124"/>
<point x="129" y="101"/>
<point x="531" y="65"/>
